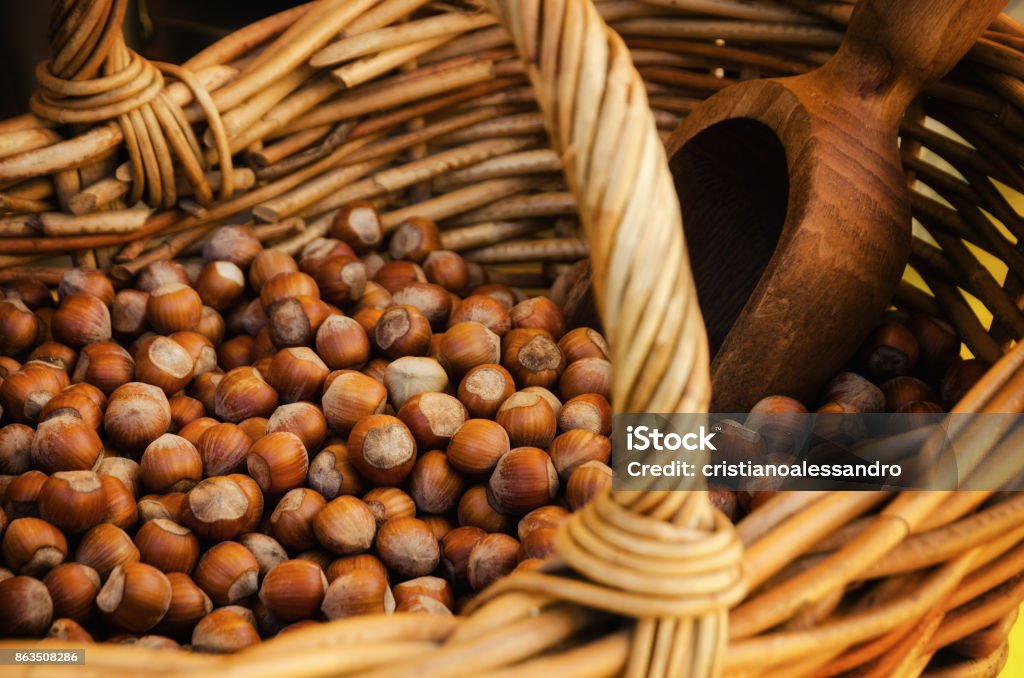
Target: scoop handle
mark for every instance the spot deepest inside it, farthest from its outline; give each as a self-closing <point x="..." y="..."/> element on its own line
<point x="895" y="48"/>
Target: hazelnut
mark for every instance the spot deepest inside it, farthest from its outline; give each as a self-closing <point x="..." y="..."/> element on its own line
<point x="432" y="418"/>
<point x="244" y="393"/>
<point x="358" y="225"/>
<point x="413" y="375"/>
<point x="136" y="415"/>
<point x="853" y="390"/>
<point x="269" y="263"/>
<point x="124" y="469"/>
<point x="128" y="316"/>
<point x="468" y="344"/>
<point x="341" y="279"/>
<point x="220" y="284"/>
<point x="414" y="239"/>
<point x="342" y="343"/>
<point x="349" y="398"/>
<point x="589" y="411"/>
<point x="297" y="373"/>
<point x="524" y="479"/>
<point x="374" y="296"/>
<point x="291" y="523"/>
<point x="447" y="269"/>
<point x="20" y="328"/>
<point x="305" y="420"/>
<point x="25" y="607"/>
<point x="376" y="369"/>
<point x="331" y="474"/>
<point x="439" y="525"/>
<point x="72" y="501"/>
<point x="382" y="449"/>
<point x="389" y="502"/>
<point x="550" y="516"/>
<point x="122" y="510"/>
<point x="408" y="593"/>
<point x="367" y="318"/>
<point x="216" y="509"/>
<point x="583" y="342"/>
<point x="434" y="484"/>
<point x="889" y="351"/>
<point x="236" y="352"/>
<point x="68" y="630"/>
<point x="475" y="510"/>
<point x="159" y="273"/>
<point x="278" y="462"/>
<point x="55" y="353"/>
<point x="104" y="547"/>
<point x="361" y="561"/>
<point x="960" y="379"/>
<point x="485" y="310"/>
<point x="33" y="547"/>
<point x="268" y="551"/>
<point x="294" y="590"/>
<point x="104" y="365"/>
<point x="539" y="544"/>
<point x="135" y="597"/>
<point x="223" y="631"/>
<point x="456" y="547"/>
<point x="31" y="291"/>
<point x="938" y="345"/>
<point x="227" y="573"/>
<point x="173" y="307"/>
<point x="65" y="443"/>
<point x="15" y="449"/>
<point x="24" y="393"/>
<point x="189" y="603"/>
<point x="185" y="410"/>
<point x="576" y="447"/>
<point x="402" y="331"/>
<point x="529" y="420"/>
<point x="539" y="313"/>
<point x="86" y="281"/>
<point x="21" y="499"/>
<point x="901" y="391"/>
<point x="295" y="321"/>
<point x="408" y="547"/>
<point x="167" y="546"/>
<point x="502" y="293"/>
<point x="585" y="482"/>
<point x="433" y="300"/>
<point x="394" y="275"/>
<point x="204" y="389"/>
<point x="532" y="357"/>
<point x="171" y="464"/>
<point x="73" y="588"/>
<point x="492" y="558"/>
<point x="346" y="525"/>
<point x="477" y="445"/>
<point x="222" y="449"/>
<point x="166" y="506"/>
<point x="78" y="400"/>
<point x="211" y="325"/>
<point x="586" y="375"/>
<point x="355" y="593"/>
<point x="484" y="389"/>
<point x="286" y="286"/>
<point x="200" y="348"/>
<point x="81" y="320"/>
<point x="235" y="243"/>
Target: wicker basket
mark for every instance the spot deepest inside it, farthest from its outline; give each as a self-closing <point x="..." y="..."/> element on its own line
<point x="655" y="584"/>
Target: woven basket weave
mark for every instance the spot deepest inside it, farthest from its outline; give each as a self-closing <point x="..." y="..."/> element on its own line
<point x="651" y="584"/>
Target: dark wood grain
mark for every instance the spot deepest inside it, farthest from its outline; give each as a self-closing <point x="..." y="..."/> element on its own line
<point x="795" y="204"/>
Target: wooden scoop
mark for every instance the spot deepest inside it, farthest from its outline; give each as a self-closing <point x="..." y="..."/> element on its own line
<point x="795" y="206"/>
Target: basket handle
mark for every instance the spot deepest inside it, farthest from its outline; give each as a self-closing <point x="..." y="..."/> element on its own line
<point x="596" y="111"/>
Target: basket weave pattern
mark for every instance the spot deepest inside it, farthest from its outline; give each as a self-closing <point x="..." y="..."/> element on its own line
<point x="652" y="584"/>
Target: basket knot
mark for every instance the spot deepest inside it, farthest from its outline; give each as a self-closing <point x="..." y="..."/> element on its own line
<point x="93" y="77"/>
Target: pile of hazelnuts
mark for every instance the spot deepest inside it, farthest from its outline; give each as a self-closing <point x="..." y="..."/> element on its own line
<point x="240" y="445"/>
<point x="910" y="364"/>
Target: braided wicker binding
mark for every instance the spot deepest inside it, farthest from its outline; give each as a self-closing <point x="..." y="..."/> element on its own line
<point x="644" y="584"/>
